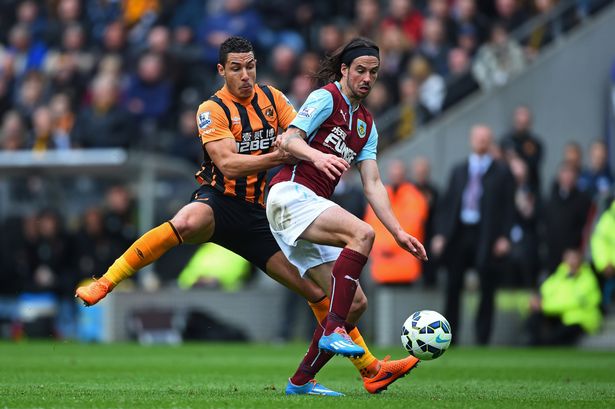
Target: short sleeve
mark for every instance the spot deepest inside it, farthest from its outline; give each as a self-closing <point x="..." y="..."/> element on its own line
<point x="212" y="123"/>
<point x="370" y="149"/>
<point x="314" y="111"/>
<point x="286" y="110"/>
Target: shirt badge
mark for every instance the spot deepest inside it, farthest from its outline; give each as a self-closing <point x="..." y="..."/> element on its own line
<point x="361" y="128"/>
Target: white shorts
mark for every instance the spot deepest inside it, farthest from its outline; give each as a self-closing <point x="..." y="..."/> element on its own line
<point x="291" y="208"/>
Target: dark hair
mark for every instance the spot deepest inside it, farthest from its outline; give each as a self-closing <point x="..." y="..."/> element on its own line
<point x="233" y="45"/>
<point x="330" y="67"/>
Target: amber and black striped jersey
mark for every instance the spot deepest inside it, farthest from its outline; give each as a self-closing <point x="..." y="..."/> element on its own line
<point x="253" y="124"/>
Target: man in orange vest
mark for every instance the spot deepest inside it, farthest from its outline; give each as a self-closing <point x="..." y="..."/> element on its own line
<point x="391" y="264"/>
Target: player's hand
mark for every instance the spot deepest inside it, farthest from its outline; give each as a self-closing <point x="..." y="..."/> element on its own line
<point x="332" y="165"/>
<point x="411" y="245"/>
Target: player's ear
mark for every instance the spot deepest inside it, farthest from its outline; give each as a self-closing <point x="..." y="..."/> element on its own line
<point x="344" y="69"/>
<point x="220" y="68"/>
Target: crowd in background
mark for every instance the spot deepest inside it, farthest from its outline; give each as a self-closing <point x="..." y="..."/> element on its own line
<point x="130" y="74"/>
<point x="111" y="73"/>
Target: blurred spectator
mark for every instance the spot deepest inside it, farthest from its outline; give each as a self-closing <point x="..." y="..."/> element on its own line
<point x="510" y="14"/>
<point x="568" y="304"/>
<point x="114" y="41"/>
<point x="394" y="55"/>
<point x="378" y="99"/>
<point x="148" y="95"/>
<point x="51" y="269"/>
<point x="498" y="60"/>
<point x="186" y="143"/>
<point x="390" y="264"/>
<point x="440" y="10"/>
<point x="283" y="66"/>
<point x="544" y="33"/>
<point x="105" y="123"/>
<point x="330" y="38"/>
<point x="565" y="215"/>
<point x="237" y="17"/>
<point x="31" y="94"/>
<point x="72" y="55"/>
<point x="22" y="54"/>
<point x="29" y="14"/>
<point x="472" y="228"/>
<point x="300" y="88"/>
<point x="101" y="13"/>
<point x="521" y="141"/>
<point x="412" y="113"/>
<point x="603" y="253"/>
<point x="349" y="195"/>
<point x="523" y="261"/>
<point x="42" y="129"/>
<point x="63" y="119"/>
<point x="421" y="178"/>
<point x="573" y="155"/>
<point x="596" y="180"/>
<point x="367" y="18"/>
<point x="139" y="17"/>
<point x="13" y="132"/>
<point x="431" y="85"/>
<point x="460" y="81"/>
<point x="95" y="249"/>
<point x="401" y="13"/>
<point x="119" y="216"/>
<point x="65" y="13"/>
<point x="469" y="19"/>
<point x="434" y="46"/>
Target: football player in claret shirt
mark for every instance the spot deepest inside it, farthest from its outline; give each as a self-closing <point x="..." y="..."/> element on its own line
<point x="237" y="128"/>
<point x="327" y="243"/>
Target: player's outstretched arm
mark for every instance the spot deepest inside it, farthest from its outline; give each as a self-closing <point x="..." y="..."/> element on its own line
<point x="293" y="142"/>
<point x="223" y="153"/>
<point x="378" y="199"/>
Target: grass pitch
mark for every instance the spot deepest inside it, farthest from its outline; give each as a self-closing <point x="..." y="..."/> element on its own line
<point x="65" y="375"/>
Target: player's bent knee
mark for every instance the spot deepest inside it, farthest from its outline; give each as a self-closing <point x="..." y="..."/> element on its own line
<point x="365" y="235"/>
<point x="194" y="224"/>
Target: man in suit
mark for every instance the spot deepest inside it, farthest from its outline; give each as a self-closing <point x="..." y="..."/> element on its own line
<point x="472" y="227"/>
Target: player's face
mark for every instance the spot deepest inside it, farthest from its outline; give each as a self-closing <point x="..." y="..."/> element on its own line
<point x="360" y="77"/>
<point x="239" y="74"/>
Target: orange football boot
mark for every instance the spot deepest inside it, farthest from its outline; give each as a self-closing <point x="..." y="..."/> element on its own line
<point x="95" y="291"/>
<point x="389" y="372"/>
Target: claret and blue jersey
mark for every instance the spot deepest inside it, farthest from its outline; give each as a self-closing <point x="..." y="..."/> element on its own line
<point x="333" y="127"/>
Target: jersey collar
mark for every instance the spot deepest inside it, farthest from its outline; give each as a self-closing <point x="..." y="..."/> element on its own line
<point x="339" y="87"/>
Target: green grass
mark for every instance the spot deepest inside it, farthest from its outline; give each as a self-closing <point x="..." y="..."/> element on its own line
<point x="64" y="375"/>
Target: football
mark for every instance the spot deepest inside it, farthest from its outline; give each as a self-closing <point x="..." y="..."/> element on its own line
<point x="426" y="335"/>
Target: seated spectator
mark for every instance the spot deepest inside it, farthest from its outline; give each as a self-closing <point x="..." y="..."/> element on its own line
<point x="389" y="263"/>
<point x="412" y="113"/>
<point x="401" y="13"/>
<point x="105" y="123"/>
<point x="568" y="306"/>
<point x="460" y="81"/>
<point x="432" y="90"/>
<point x="13" y="132"/>
<point x="603" y="253"/>
<point x="468" y="18"/>
<point x="565" y="215"/>
<point x="511" y="14"/>
<point x="31" y="94"/>
<point x="63" y="119"/>
<point x="149" y="92"/>
<point x="440" y="10"/>
<point x="73" y="53"/>
<point x="22" y="54"/>
<point x="522" y="142"/>
<point x="433" y="46"/>
<point x="498" y="60"/>
<point x="185" y="143"/>
<point x="395" y="51"/>
<point x="596" y="179"/>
